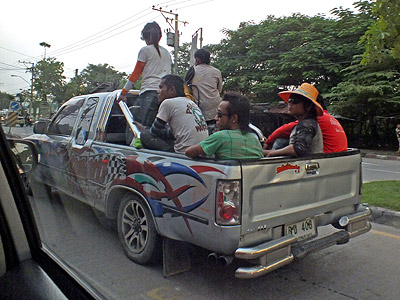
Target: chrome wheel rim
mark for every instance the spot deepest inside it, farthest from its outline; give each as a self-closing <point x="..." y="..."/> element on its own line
<point x="135" y="226"/>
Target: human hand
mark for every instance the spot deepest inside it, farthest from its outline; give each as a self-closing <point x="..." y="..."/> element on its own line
<point x="268" y="153"/>
<point x="140" y="126"/>
<point x="266" y="146"/>
<point x="121" y="98"/>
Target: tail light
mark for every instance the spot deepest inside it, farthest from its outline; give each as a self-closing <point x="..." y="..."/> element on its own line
<point x="228" y="201"/>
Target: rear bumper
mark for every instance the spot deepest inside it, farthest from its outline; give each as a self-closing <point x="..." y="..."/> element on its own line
<point x="279" y="252"/>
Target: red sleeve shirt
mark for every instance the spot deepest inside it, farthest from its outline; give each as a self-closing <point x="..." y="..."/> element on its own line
<point x="334" y="137"/>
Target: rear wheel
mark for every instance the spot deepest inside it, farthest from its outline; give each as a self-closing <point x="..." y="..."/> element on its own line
<point x="136" y="230"/>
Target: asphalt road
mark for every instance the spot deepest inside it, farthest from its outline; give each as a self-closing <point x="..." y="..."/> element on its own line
<point x="368" y="267"/>
<point x="380" y="169"/>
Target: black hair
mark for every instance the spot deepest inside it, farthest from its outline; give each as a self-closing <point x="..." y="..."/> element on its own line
<point x="321" y="101"/>
<point x="239" y="105"/>
<point x="307" y="104"/>
<point x="176" y="82"/>
<point x="203" y="55"/>
<point x="152" y="33"/>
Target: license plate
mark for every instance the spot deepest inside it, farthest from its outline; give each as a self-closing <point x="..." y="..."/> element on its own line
<point x="302" y="230"/>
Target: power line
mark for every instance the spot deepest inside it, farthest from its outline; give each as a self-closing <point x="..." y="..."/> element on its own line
<point x="16" y="52"/>
<point x="93" y="37"/>
<point x="84" y="42"/>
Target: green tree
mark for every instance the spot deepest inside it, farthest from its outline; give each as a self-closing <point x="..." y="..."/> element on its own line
<point x="260" y="59"/>
<point x="5" y="100"/>
<point x="383" y="36"/>
<point x="94" y="75"/>
<point x="183" y="59"/>
<point x="370" y="94"/>
<point x="48" y="80"/>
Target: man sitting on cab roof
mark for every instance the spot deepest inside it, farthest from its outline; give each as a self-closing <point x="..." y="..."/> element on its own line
<point x="234" y="139"/>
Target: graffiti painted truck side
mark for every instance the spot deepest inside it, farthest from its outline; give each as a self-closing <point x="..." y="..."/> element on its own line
<point x="266" y="211"/>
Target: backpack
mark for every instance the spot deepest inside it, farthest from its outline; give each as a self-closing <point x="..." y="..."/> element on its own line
<point x="188" y="83"/>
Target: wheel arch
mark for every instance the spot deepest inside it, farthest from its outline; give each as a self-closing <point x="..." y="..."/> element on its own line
<point x="114" y="197"/>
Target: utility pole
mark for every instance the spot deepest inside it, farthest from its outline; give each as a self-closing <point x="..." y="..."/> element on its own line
<point x="30" y="70"/>
<point x="176" y="37"/>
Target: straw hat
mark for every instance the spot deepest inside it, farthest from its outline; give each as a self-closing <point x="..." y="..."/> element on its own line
<point x="306" y="90"/>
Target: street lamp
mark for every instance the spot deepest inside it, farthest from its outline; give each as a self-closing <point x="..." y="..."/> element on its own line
<point x="44" y="45"/>
<point x="31" y="84"/>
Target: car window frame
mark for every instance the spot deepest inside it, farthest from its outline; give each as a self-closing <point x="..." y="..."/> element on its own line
<point x="69" y="285"/>
<point x="78" y="101"/>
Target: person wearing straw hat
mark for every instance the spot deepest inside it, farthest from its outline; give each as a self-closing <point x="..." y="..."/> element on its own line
<point x="306" y="136"/>
<point x="333" y="135"/>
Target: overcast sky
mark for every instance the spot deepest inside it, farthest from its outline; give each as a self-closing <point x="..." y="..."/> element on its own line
<point x="97" y="32"/>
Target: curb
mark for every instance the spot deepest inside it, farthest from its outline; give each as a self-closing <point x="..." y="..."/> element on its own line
<point x="385" y="216"/>
<point x="380" y="156"/>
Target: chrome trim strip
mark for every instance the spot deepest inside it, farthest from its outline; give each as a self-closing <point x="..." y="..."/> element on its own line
<point x="256" y="271"/>
<point x="265" y="248"/>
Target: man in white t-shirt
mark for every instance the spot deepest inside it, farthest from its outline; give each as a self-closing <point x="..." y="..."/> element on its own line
<point x="186" y="124"/>
<point x="206" y="85"/>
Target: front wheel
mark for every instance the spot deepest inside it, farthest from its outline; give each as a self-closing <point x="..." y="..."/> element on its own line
<point x="137" y="231"/>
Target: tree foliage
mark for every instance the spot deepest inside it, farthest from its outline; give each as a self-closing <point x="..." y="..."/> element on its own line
<point x="371" y="95"/>
<point x="48" y="80"/>
<point x="260" y="59"/>
<point x="93" y="75"/>
<point x="183" y="59"/>
<point x="5" y="100"/>
<point x="383" y="36"/>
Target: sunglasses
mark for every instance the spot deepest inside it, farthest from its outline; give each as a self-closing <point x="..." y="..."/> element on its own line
<point x="220" y="114"/>
<point x="294" y="100"/>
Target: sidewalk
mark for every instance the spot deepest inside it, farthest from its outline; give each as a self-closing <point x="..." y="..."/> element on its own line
<point x="380" y="154"/>
<point x="385" y="216"/>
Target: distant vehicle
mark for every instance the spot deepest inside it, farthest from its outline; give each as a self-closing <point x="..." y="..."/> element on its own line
<point x="20" y="121"/>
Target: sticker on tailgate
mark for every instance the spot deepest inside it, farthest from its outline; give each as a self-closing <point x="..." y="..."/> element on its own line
<point x="288" y="167"/>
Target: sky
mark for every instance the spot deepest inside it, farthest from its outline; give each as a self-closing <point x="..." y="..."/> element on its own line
<point x="97" y="32"/>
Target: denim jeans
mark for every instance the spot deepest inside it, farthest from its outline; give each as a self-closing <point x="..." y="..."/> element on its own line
<point x="150" y="141"/>
<point x="148" y="107"/>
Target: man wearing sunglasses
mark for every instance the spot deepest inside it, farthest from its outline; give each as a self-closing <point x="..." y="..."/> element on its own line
<point x="234" y="139"/>
<point x="333" y="134"/>
<point x="306" y="136"/>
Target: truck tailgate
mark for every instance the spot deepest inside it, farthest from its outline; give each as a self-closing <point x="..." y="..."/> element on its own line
<point x="283" y="191"/>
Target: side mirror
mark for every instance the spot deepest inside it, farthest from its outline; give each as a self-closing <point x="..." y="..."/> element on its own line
<point x="25" y="154"/>
<point x="40" y="127"/>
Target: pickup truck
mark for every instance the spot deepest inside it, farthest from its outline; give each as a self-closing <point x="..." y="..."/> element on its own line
<point x="266" y="212"/>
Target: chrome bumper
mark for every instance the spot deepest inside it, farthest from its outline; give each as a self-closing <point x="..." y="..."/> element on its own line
<point x="282" y="251"/>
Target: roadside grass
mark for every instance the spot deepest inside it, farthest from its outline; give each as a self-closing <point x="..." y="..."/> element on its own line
<point x="384" y="194"/>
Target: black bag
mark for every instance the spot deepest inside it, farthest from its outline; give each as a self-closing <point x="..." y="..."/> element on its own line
<point x="188" y="83"/>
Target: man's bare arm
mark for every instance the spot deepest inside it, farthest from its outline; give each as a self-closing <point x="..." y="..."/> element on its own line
<point x="194" y="151"/>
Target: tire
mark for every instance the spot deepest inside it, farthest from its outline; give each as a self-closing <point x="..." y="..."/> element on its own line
<point x="137" y="231"/>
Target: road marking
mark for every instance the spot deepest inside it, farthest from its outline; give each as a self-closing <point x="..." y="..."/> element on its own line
<point x="166" y="293"/>
<point x="394" y="172"/>
<point x="397" y="237"/>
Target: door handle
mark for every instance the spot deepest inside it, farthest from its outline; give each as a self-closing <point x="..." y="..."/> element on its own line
<point x="312" y="168"/>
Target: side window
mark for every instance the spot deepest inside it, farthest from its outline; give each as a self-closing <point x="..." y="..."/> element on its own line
<point x="64" y="122"/>
<point x="86" y="120"/>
